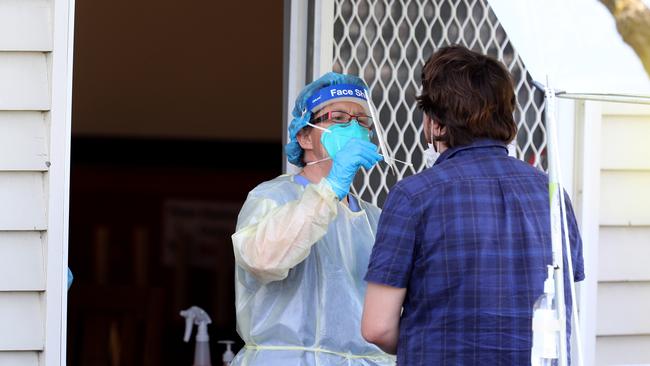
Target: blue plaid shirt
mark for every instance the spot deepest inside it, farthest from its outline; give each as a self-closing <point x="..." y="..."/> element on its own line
<point x="470" y="241"/>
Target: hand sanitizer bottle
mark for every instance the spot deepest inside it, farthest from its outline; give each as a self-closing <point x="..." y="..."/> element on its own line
<point x="546" y="326"/>
<point x="228" y="356"/>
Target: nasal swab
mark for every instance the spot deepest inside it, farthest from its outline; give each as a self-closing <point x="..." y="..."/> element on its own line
<point x="399" y="161"/>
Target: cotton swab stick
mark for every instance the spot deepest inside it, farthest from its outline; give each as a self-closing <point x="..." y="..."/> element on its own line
<point x="399" y="161"/>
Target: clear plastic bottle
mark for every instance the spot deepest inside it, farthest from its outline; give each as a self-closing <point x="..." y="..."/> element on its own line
<point x="197" y="316"/>
<point x="546" y="330"/>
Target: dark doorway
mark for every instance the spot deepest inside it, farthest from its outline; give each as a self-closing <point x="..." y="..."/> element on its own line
<point x="176" y="116"/>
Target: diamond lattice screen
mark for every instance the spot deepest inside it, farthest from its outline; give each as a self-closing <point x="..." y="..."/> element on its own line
<point x="387" y="42"/>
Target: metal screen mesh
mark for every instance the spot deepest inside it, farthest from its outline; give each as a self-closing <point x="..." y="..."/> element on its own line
<point x="387" y="42"/>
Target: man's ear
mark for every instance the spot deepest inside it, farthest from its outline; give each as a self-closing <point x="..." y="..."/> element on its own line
<point x="441" y="131"/>
<point x="437" y="129"/>
<point x="305" y="139"/>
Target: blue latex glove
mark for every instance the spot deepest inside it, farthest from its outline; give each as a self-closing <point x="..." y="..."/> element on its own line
<point x="70" y="278"/>
<point x="355" y="154"/>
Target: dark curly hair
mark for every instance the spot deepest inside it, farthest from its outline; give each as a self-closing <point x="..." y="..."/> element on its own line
<point x="470" y="94"/>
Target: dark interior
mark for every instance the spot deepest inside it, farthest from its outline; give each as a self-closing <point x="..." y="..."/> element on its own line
<point x="177" y="115"/>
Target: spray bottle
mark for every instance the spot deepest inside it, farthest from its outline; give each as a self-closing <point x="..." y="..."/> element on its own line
<point x="546" y="326"/>
<point x="228" y="356"/>
<point x="196" y="315"/>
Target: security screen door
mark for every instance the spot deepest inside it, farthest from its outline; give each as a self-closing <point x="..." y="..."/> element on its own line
<point x="386" y="42"/>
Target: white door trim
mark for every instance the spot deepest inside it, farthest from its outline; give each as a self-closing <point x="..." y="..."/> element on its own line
<point x="298" y="41"/>
<point x="58" y="183"/>
<point x="587" y="205"/>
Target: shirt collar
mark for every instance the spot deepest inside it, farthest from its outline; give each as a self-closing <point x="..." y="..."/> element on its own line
<point x="477" y="144"/>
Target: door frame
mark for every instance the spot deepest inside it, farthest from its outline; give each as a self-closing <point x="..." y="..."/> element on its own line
<point x="58" y="183"/>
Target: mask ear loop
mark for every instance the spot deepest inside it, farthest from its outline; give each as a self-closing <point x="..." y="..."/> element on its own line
<point x="431" y="135"/>
<point x="434" y="143"/>
<point x="318" y="127"/>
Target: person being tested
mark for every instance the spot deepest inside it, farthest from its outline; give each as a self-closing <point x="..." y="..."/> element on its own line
<point x="462" y="248"/>
<point x="302" y="241"/>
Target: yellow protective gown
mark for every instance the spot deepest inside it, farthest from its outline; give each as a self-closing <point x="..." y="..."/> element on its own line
<point x="301" y="256"/>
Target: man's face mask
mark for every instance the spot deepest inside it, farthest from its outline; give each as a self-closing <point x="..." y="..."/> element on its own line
<point x="431" y="154"/>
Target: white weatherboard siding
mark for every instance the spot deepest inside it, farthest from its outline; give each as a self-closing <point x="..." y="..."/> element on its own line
<point x="23" y="201"/>
<point x="24" y="83"/>
<point x="627" y="147"/>
<point x="22" y="265"/>
<point x="35" y="89"/>
<point x="623" y="308"/>
<point x="622" y="350"/>
<point x="625" y="197"/>
<point x="18" y="358"/>
<point x="24" y="313"/>
<point x="23" y="142"/>
<point x="25" y="25"/>
<point x="625" y="253"/>
<point x="623" y="316"/>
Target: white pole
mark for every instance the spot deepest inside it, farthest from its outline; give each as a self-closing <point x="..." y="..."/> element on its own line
<point x="558" y="204"/>
<point x="295" y="64"/>
<point x="555" y="193"/>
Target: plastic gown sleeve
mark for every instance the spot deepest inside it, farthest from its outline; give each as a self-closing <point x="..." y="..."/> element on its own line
<point x="271" y="239"/>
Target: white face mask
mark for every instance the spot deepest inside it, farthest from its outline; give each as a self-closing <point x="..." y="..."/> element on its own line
<point x="430" y="156"/>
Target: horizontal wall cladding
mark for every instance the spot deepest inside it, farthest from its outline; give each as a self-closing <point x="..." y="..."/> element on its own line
<point x="24" y="202"/>
<point x="624" y="253"/>
<point x="623" y="308"/>
<point x="22" y="262"/>
<point x="623" y="301"/>
<point x="623" y="350"/>
<point x="22" y="319"/>
<point x="26" y="42"/>
<point x="625" y="198"/>
<point x="625" y="144"/>
<point x="23" y="141"/>
<point x="25" y="25"/>
<point x="24" y="358"/>
<point x="24" y="81"/>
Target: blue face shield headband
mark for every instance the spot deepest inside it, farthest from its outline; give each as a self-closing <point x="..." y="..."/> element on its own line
<point x="340" y="92"/>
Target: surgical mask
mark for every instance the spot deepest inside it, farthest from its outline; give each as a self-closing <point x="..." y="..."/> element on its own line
<point x="430" y="156"/>
<point x="336" y="136"/>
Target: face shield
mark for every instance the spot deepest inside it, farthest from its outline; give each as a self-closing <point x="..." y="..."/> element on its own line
<point x="359" y="95"/>
<point x="379" y="138"/>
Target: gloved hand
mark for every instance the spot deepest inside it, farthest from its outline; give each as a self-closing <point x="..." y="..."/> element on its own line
<point x="70" y="278"/>
<point x="355" y="153"/>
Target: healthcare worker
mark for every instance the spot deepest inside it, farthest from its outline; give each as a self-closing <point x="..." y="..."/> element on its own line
<point x="302" y="242"/>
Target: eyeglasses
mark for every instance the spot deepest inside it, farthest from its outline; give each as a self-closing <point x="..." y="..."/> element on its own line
<point x="340" y="117"/>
